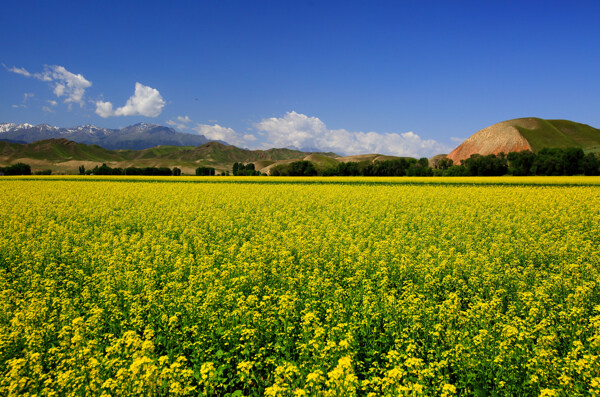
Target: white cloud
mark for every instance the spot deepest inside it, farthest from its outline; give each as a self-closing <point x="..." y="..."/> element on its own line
<point x="59" y="90"/>
<point x="52" y="103"/>
<point x="218" y="133"/>
<point x="176" y="124"/>
<point x="181" y="122"/>
<point x="47" y="109"/>
<point x="104" y="109"/>
<point x="455" y="139"/>
<point x="304" y="132"/>
<point x="21" y="71"/>
<point x="45" y="76"/>
<point x="67" y="84"/>
<point x="146" y="101"/>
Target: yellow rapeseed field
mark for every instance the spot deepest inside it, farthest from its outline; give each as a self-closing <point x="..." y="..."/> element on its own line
<point x="297" y="287"/>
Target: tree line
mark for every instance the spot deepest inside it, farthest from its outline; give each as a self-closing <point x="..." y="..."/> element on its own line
<point x="150" y="171"/>
<point x="396" y="167"/>
<point x="241" y="169"/>
<point x="546" y="162"/>
<point x="550" y="162"/>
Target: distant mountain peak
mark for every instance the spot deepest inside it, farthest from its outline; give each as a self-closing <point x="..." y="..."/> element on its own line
<point x="137" y="136"/>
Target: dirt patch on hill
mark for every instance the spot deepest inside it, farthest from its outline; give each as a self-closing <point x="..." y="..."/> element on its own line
<point x="501" y="137"/>
<point x="358" y="158"/>
<point x="267" y="169"/>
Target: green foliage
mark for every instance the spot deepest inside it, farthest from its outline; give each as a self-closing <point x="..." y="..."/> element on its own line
<point x="296" y="168"/>
<point x="546" y="162"/>
<point x="444" y="163"/>
<point x="456" y="170"/>
<point x="396" y="167"/>
<point x="148" y="171"/>
<point x="520" y="163"/>
<point x="16" y="169"/>
<point x="591" y="164"/>
<point x="490" y="165"/>
<point x="241" y="169"/>
<point x="288" y="289"/>
<point x="554" y="161"/>
<point x="205" y="171"/>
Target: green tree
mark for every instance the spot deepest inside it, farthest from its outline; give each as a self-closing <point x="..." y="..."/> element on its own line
<point x="520" y="163"/>
<point x="444" y="163"/>
<point x="590" y="164"/>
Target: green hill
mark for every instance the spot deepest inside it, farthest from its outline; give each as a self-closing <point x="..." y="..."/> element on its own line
<point x="64" y="156"/>
<point x="528" y="134"/>
<point x="56" y="150"/>
<point x="561" y="134"/>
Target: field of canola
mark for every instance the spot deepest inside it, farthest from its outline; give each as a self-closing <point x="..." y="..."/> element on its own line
<point x="137" y="288"/>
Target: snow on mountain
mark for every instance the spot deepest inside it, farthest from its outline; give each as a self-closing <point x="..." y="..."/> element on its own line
<point x="137" y="136"/>
<point x="7" y="127"/>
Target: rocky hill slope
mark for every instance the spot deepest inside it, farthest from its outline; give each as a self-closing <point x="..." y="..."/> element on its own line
<point x="528" y="134"/>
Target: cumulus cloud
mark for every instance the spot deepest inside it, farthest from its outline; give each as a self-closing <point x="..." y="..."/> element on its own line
<point x="146" y="101"/>
<point x="219" y="133"/>
<point x="67" y="84"/>
<point x="104" y="109"/>
<point x="216" y="132"/>
<point x="304" y="132"/>
<point x="64" y="83"/>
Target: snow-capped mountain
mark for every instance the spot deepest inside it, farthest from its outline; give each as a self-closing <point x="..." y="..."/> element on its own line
<point x="5" y="127"/>
<point x="136" y="137"/>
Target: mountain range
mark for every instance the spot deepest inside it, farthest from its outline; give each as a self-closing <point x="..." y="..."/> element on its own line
<point x="135" y="137"/>
<point x="63" y="150"/>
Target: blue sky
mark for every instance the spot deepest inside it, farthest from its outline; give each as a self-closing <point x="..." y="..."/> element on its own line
<point x="403" y="77"/>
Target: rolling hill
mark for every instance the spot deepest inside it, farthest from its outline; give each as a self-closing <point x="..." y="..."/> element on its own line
<point x="528" y="134"/>
<point x="328" y="160"/>
<point x="64" y="156"/>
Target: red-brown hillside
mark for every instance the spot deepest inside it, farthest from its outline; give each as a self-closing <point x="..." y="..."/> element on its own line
<point x="528" y="134"/>
<point x="501" y="137"/>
